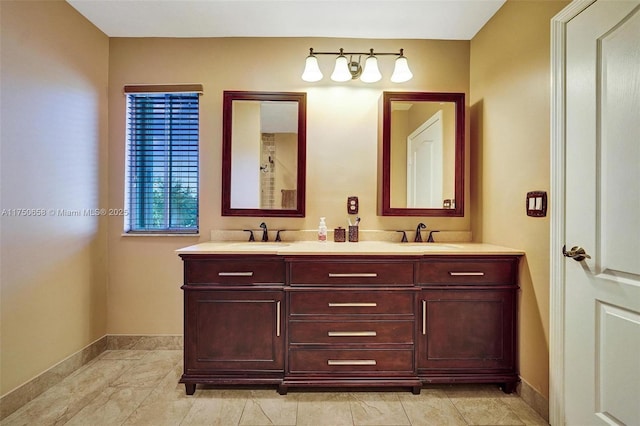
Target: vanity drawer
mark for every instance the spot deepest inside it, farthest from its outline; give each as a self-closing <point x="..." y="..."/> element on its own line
<point x="351" y="332"/>
<point x="494" y="271"/>
<point x="383" y="272"/>
<point x="349" y="302"/>
<point x="351" y="361"/>
<point x="234" y="271"/>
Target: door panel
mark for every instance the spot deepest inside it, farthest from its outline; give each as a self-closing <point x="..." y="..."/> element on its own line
<point x="424" y="164"/>
<point x="602" y="302"/>
<point x="618" y="378"/>
<point x="620" y="124"/>
<point x="467" y="329"/>
<point x="234" y="330"/>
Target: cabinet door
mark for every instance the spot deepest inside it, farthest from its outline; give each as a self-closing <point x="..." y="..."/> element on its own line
<point x="467" y="329"/>
<point x="234" y="330"/>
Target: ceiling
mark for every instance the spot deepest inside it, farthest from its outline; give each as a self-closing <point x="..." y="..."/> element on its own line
<point x="391" y="19"/>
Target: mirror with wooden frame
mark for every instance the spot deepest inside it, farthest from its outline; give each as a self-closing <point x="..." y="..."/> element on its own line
<point x="422" y="154"/>
<point x="263" y="153"/>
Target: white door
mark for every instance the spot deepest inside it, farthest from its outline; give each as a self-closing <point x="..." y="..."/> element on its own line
<point x="424" y="164"/>
<point x="602" y="294"/>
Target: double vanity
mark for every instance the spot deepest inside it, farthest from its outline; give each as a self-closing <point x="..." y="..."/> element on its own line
<point x="368" y="314"/>
<point x="329" y="314"/>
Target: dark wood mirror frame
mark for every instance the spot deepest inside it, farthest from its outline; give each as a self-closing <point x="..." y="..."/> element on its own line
<point x="227" y="121"/>
<point x="384" y="177"/>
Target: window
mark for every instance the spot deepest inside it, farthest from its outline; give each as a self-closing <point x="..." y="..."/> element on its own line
<point x="161" y="192"/>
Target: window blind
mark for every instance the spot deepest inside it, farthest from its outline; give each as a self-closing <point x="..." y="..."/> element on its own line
<point x="162" y="169"/>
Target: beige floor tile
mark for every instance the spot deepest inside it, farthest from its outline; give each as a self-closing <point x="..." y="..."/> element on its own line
<point x="377" y="408"/>
<point x="527" y="414"/>
<point x="157" y="411"/>
<point x="486" y="411"/>
<point x="216" y="408"/>
<point x="324" y="409"/>
<point x="476" y="391"/>
<point x="148" y="371"/>
<point x="112" y="407"/>
<point x="431" y="408"/>
<point x="167" y="404"/>
<point x="123" y="354"/>
<point x="267" y="407"/>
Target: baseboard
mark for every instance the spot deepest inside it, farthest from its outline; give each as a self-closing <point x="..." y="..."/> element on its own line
<point x="534" y="399"/>
<point x="54" y="375"/>
<point x="144" y="343"/>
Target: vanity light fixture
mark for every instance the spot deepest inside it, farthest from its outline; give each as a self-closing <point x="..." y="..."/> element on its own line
<point x="346" y="69"/>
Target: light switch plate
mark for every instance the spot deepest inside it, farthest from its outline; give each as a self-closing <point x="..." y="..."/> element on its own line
<point x="536" y="204"/>
<point x="352" y="204"/>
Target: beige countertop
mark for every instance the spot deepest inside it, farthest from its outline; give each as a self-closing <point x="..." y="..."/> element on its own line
<point x="292" y="248"/>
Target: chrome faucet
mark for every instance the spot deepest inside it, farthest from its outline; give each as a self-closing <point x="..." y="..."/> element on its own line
<point x="418" y="238"/>
<point x="265" y="232"/>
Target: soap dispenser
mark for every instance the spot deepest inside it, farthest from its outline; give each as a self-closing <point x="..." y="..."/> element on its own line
<point x="322" y="230"/>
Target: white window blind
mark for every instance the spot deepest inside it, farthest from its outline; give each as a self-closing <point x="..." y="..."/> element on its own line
<point x="162" y="161"/>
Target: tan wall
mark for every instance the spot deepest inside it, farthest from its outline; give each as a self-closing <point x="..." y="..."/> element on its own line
<point x="342" y="120"/>
<point x="510" y="108"/>
<point x="54" y="136"/>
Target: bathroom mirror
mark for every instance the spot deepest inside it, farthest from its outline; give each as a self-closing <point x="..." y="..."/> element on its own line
<point x="263" y="153"/>
<point x="422" y="154"/>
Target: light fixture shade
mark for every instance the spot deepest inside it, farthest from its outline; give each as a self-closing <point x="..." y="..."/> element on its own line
<point x="401" y="71"/>
<point x="312" y="71"/>
<point x="341" y="71"/>
<point x="371" y="73"/>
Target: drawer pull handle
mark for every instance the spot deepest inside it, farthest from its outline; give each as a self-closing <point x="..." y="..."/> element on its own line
<point x="353" y="305"/>
<point x="278" y="318"/>
<point x="466" y="274"/>
<point x="351" y="333"/>
<point x="351" y="362"/>
<point x="354" y="275"/>
<point x="235" y="274"/>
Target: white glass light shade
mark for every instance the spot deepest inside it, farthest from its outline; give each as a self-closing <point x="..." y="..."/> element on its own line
<point x="312" y="71"/>
<point x="371" y="73"/>
<point x="341" y="71"/>
<point x="401" y="71"/>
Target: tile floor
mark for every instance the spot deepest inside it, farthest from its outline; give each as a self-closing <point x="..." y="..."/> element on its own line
<point x="132" y="387"/>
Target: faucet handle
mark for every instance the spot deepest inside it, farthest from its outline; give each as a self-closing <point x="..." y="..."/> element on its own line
<point x="404" y="236"/>
<point x="251" y="237"/>
<point x="278" y="239"/>
<point x="430" y="239"/>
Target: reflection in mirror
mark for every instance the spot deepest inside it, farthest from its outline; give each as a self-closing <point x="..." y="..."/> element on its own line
<point x="423" y="154"/>
<point x="263" y="154"/>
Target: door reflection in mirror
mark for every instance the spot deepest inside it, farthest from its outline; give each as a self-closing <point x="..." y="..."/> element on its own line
<point x="422" y="154"/>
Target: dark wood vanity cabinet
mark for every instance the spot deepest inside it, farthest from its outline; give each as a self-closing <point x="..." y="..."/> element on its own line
<point x="349" y="321"/>
<point x="468" y="320"/>
<point x="233" y="321"/>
